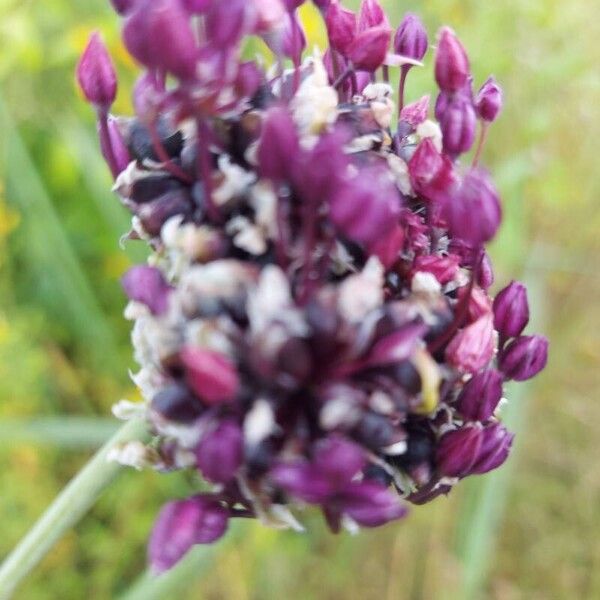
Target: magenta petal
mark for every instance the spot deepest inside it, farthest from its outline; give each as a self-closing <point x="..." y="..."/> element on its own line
<point x="371" y="505"/>
<point x="338" y="459"/>
<point x="220" y="452"/>
<point x="147" y="285"/>
<point x="303" y="481"/>
<point x="180" y="525"/>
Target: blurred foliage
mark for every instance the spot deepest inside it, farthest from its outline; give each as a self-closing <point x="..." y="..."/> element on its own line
<point x="64" y="346"/>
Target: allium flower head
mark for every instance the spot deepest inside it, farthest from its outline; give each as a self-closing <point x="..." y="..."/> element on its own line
<point x="314" y="324"/>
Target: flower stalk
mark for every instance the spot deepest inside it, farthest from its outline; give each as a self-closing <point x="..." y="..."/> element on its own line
<point x="66" y="510"/>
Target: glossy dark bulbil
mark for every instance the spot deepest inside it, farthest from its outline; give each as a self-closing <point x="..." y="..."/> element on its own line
<point x="177" y="403"/>
<point x="141" y="147"/>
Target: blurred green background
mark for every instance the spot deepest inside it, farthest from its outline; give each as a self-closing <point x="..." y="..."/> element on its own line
<point x="531" y="530"/>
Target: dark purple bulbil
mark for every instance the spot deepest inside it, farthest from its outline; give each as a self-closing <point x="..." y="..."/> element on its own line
<point x="314" y="324"/>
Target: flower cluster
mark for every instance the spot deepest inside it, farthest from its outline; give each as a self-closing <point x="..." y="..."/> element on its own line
<point x="314" y="324"/>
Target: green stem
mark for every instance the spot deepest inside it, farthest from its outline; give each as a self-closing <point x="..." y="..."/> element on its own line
<point x="70" y="505"/>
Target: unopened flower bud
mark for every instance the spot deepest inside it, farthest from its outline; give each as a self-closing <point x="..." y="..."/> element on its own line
<point x="458" y="124"/>
<point x="414" y="114"/>
<point x="279" y="144"/>
<point x="451" y="62"/>
<point x="225" y="22"/>
<point x="147" y="285"/>
<point x="371" y="14"/>
<point x="211" y="375"/>
<point x="180" y="525"/>
<point x="431" y="172"/>
<point x="489" y="100"/>
<point x="473" y="213"/>
<point x="481" y="395"/>
<point x="159" y="35"/>
<point x="366" y="208"/>
<point x="411" y="38"/>
<point x="341" y="27"/>
<point x="219" y="453"/>
<point x="369" y="48"/>
<point x="511" y="310"/>
<point x="294" y="39"/>
<point x="472" y="348"/>
<point x="524" y="357"/>
<point x="495" y="447"/>
<point x="119" y="150"/>
<point x="122" y="6"/>
<point x="458" y="450"/>
<point x="96" y="74"/>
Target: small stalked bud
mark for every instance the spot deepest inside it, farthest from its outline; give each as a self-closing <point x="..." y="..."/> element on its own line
<point x="524" y="357"/>
<point x="473" y="212"/>
<point x="147" y="285"/>
<point x="180" y="525"/>
<point x="371" y="14"/>
<point x="458" y="124"/>
<point x="451" y="62"/>
<point x="369" y="48"/>
<point x="431" y="172"/>
<point x="472" y="348"/>
<point x="159" y="35"/>
<point x="225" y="22"/>
<point x="96" y="74"/>
<point x="122" y="6"/>
<point x="488" y="102"/>
<point x="211" y="375"/>
<point x="341" y="27"/>
<point x="279" y="144"/>
<point x="366" y="208"/>
<point x="219" y="453"/>
<point x="118" y="149"/>
<point x="511" y="310"/>
<point x="458" y="450"/>
<point x="411" y="38"/>
<point x="294" y="39"/>
<point x="495" y="447"/>
<point x="414" y="114"/>
<point x="481" y="395"/>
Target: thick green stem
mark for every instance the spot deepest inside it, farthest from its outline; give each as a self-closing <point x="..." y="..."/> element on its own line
<point x="69" y="506"/>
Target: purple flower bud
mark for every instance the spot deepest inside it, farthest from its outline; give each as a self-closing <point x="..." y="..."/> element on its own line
<point x="441" y="104"/>
<point x="414" y="114"/>
<point x="153" y="215"/>
<point x="341" y="27"/>
<point x="458" y="450"/>
<point x="365" y="208"/>
<point x="248" y="79"/>
<point x="480" y="395"/>
<point x="495" y="448"/>
<point x="117" y="146"/>
<point x="371" y="504"/>
<point x="279" y="145"/>
<point x="322" y="5"/>
<point x="159" y="35"/>
<point x="371" y="15"/>
<point x="489" y="100"/>
<point x="472" y="348"/>
<point x="511" y="310"/>
<point x="479" y="303"/>
<point x="225" y="23"/>
<point x="147" y="285"/>
<point x="369" y="48"/>
<point x="473" y="212"/>
<point x="486" y="272"/>
<point x="180" y="525"/>
<point x="431" y="172"/>
<point x="294" y="39"/>
<point x="411" y="38"/>
<point x="524" y="357"/>
<point x="388" y="248"/>
<point x="211" y="375"/>
<point x="458" y="124"/>
<point x="122" y="6"/>
<point x="451" y="62"/>
<point x="339" y="459"/>
<point x="396" y="347"/>
<point x="96" y="74"/>
<point x="220" y="452"/>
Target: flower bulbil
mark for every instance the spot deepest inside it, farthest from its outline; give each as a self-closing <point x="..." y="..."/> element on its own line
<point x="313" y="325"/>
